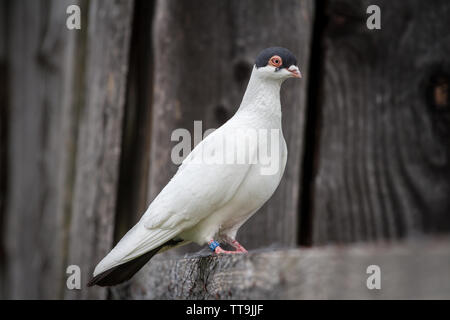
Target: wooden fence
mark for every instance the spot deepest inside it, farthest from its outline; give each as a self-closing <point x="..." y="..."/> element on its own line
<point x="86" y="119"/>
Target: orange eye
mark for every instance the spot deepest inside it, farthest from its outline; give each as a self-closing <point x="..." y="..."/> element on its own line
<point x="275" y="61"/>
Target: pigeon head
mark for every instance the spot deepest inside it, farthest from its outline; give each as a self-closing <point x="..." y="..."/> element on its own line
<point x="277" y="63"/>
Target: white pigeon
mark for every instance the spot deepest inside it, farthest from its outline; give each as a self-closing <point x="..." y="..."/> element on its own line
<point x="221" y="183"/>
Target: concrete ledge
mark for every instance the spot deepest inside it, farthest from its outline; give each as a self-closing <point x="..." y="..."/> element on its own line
<point x="410" y="270"/>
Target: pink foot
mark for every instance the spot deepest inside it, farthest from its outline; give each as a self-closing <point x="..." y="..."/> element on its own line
<point x="239" y="248"/>
<point x="219" y="250"/>
<point x="213" y="245"/>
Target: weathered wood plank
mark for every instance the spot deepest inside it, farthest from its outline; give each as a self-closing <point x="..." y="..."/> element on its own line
<point x="4" y="111"/>
<point x="136" y="131"/>
<point x="63" y="142"/>
<point x="98" y="148"/>
<point x="414" y="270"/>
<point x="41" y="62"/>
<point x="203" y="58"/>
<point x="383" y="161"/>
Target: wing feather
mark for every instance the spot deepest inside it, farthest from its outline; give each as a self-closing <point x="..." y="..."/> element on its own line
<point x="202" y="185"/>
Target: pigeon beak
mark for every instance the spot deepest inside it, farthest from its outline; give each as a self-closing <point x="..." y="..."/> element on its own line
<point x="295" y="72"/>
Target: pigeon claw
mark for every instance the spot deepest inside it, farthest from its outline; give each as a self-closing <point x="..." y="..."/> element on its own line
<point x="239" y="248"/>
<point x="215" y="246"/>
<point x="219" y="250"/>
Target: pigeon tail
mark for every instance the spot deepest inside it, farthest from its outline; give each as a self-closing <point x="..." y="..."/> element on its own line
<point x="125" y="271"/>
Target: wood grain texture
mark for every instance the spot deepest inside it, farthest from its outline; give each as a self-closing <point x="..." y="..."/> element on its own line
<point x="99" y="141"/>
<point x="136" y="131"/>
<point x="414" y="270"/>
<point x="203" y="58"/>
<point x="67" y="91"/>
<point x="4" y="111"/>
<point x="383" y="163"/>
<point x="42" y="63"/>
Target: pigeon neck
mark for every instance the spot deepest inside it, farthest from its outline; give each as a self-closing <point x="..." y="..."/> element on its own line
<point x="262" y="95"/>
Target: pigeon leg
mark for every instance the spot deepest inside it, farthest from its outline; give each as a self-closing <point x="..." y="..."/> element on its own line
<point x="235" y="244"/>
<point x="215" y="246"/>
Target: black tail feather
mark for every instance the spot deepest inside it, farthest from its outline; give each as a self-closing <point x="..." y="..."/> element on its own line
<point x="124" y="272"/>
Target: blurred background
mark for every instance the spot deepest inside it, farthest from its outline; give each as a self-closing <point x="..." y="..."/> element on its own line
<point x="86" y="118"/>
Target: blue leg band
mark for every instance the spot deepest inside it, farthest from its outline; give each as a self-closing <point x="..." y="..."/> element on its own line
<point x="213" y="245"/>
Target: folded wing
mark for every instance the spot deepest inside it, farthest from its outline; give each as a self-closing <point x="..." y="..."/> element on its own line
<point x="205" y="182"/>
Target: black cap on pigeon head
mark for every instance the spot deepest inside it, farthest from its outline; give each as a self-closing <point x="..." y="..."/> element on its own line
<point x="264" y="57"/>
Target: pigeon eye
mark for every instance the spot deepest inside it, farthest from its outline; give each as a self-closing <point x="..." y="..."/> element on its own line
<point x="275" y="61"/>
